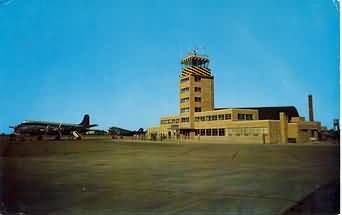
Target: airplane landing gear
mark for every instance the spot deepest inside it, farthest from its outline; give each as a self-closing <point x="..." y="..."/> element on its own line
<point x="58" y="137"/>
<point x="76" y="135"/>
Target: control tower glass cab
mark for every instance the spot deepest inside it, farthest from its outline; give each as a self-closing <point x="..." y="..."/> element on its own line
<point x="195" y="60"/>
<point x="196" y="87"/>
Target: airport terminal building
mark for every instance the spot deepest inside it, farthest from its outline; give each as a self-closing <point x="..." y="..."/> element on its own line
<point x="198" y="119"/>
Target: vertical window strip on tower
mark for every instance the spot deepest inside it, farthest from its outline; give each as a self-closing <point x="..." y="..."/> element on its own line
<point x="184" y="110"/>
<point x="184" y="100"/>
<point x="197" y="89"/>
<point x="185" y="89"/>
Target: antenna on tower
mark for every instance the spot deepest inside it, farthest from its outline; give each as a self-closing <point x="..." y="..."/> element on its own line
<point x="194" y="51"/>
<point x="199" y="49"/>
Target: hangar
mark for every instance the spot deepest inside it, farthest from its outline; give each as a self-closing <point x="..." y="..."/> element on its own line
<point x="198" y="119"/>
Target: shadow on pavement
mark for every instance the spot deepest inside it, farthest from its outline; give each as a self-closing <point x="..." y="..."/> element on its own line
<point x="323" y="201"/>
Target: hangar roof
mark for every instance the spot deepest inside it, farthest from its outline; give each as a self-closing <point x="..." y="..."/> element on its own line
<point x="272" y="113"/>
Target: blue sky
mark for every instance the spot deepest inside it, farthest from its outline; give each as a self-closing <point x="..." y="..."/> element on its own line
<point x="119" y="61"/>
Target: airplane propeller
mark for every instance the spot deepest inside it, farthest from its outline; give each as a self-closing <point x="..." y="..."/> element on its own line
<point x="59" y="130"/>
<point x="47" y="129"/>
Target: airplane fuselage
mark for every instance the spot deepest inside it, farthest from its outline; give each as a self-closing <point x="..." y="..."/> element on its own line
<point x="40" y="128"/>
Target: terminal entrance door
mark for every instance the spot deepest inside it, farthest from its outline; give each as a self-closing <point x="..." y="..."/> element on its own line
<point x="187" y="133"/>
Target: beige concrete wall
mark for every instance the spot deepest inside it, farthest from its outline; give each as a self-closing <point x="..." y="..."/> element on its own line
<point x="262" y="137"/>
<point x="232" y="124"/>
<point x="283" y="124"/>
<point x="299" y="130"/>
<point x="169" y="125"/>
<point x="222" y="111"/>
<point x="231" y="139"/>
<point x="293" y="130"/>
<point x="206" y="94"/>
<point x="236" y="111"/>
<point x="274" y="131"/>
<point x="185" y="125"/>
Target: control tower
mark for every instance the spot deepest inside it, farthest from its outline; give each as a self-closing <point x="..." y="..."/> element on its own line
<point x="196" y="88"/>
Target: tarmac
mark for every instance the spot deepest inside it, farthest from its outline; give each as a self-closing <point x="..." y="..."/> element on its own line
<point x="106" y="177"/>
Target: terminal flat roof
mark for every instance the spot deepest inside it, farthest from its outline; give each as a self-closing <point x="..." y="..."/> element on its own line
<point x="271" y="113"/>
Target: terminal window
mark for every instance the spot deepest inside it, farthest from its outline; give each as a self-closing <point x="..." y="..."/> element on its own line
<point x="186" y="89"/>
<point x="197" y="99"/>
<point x="245" y="116"/>
<point x="185" y="79"/>
<point x="184" y="110"/>
<point x="169" y="121"/>
<point x="214" y="131"/>
<point x="214" y="117"/>
<point x="184" y="100"/>
<point x="185" y="119"/>
<point x="197" y="78"/>
<point x="241" y="116"/>
<point x="249" y="116"/>
<point x="228" y="116"/>
<point x="198" y="109"/>
<point x="197" y="89"/>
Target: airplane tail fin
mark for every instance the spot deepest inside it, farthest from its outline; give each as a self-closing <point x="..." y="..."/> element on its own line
<point x="85" y="122"/>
